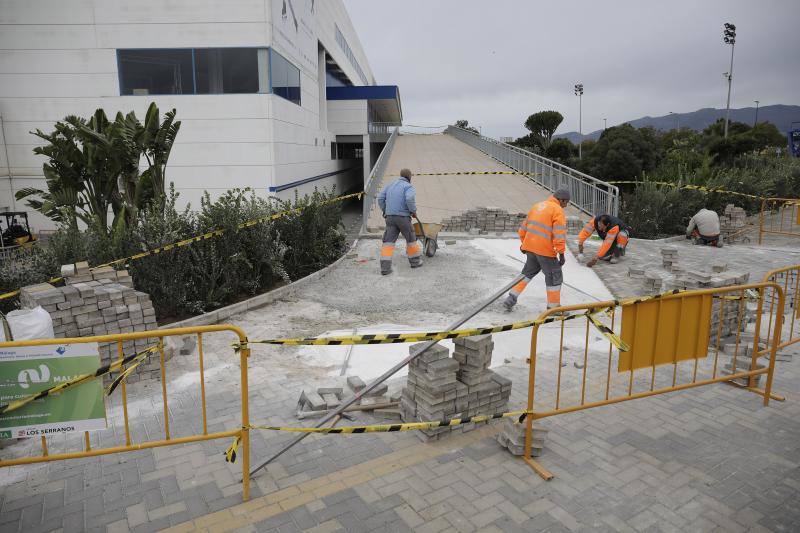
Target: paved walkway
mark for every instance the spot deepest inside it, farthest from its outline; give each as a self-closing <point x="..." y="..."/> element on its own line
<point x="707" y="459"/>
<point x="752" y="258"/>
<point x="440" y="197"/>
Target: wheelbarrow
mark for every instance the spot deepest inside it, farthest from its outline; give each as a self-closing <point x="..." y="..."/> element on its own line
<point x="427" y="233"/>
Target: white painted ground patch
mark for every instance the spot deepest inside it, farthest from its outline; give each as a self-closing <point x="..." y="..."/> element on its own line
<point x="369" y="361"/>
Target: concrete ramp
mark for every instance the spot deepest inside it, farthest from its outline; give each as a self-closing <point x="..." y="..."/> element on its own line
<point x="440" y="197"/>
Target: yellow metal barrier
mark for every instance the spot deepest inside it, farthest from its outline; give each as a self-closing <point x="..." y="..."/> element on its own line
<point x="169" y="439"/>
<point x="676" y="333"/>
<point x="779" y="216"/>
<point x="789" y="280"/>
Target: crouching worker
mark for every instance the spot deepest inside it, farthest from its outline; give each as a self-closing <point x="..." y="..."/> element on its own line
<point x="544" y="243"/>
<point x="615" y="234"/>
<point x="703" y="228"/>
<point x="398" y="204"/>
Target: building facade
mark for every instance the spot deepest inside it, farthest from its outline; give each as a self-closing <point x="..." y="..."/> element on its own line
<point x="250" y="80"/>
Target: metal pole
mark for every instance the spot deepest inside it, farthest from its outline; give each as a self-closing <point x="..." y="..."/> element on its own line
<point x="389" y="373"/>
<point x="580" y="124"/>
<point x="728" y="105"/>
<point x="755" y="122"/>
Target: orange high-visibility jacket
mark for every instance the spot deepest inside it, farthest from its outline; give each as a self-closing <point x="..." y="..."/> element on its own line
<point x="545" y="230"/>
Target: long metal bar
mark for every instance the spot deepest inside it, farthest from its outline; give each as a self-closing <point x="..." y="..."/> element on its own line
<point x="389" y="373"/>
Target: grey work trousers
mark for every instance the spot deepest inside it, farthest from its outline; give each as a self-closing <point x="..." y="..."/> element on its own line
<point x="553" y="278"/>
<point x="395" y="226"/>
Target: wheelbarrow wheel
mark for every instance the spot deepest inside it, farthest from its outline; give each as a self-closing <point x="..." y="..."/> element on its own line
<point x="430" y="247"/>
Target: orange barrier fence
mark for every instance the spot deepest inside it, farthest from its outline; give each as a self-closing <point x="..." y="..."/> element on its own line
<point x="675" y="342"/>
<point x="130" y="441"/>
<point x="779" y="216"/>
<point x="789" y="280"/>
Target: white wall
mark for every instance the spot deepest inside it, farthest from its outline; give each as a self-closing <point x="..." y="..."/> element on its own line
<point x="59" y="58"/>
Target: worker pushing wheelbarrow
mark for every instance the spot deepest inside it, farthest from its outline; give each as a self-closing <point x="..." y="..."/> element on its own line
<point x="398" y="204"/>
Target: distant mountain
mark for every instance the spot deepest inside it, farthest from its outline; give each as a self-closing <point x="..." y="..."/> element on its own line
<point x="780" y="115"/>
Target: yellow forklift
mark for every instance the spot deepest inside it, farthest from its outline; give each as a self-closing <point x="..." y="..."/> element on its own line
<point x="15" y="230"/>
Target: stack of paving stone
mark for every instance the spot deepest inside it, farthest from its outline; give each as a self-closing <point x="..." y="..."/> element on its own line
<point x="636" y="272"/>
<point x="485" y="219"/>
<point x="653" y="282"/>
<point x="314" y="403"/>
<point x="743" y="364"/>
<point x="98" y="306"/>
<point x="669" y="257"/>
<point x="733" y="220"/>
<point x="513" y="437"/>
<point x="80" y="273"/>
<point x="440" y="387"/>
<point x="432" y="391"/>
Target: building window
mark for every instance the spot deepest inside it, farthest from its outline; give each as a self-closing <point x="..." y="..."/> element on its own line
<point x="350" y="55"/>
<point x="227" y="70"/>
<point x="155" y="72"/>
<point x="193" y="71"/>
<point x="284" y="77"/>
<point x="333" y="150"/>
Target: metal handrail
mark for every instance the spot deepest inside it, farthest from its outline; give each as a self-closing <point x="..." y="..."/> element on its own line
<point x="589" y="194"/>
<point x="374" y="178"/>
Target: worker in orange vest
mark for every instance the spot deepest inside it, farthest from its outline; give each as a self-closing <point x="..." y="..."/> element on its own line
<point x="615" y="234"/>
<point x="544" y="242"/>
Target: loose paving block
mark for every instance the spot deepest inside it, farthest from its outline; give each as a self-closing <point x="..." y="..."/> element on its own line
<point x="331" y="400"/>
<point x="379" y="390"/>
<point x="355" y="383"/>
<point x="311" y="401"/>
<point x="393" y="414"/>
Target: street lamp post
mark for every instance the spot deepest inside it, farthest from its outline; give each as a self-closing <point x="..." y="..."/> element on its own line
<point x="755" y="122"/>
<point x="730" y="38"/>
<point x="605" y="124"/>
<point x="677" y="120"/>
<point x="579" y="94"/>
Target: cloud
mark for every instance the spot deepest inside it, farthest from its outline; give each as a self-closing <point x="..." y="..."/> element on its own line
<point x="494" y="63"/>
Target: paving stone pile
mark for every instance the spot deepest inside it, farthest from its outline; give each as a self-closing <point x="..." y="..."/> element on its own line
<point x="484" y="219"/>
<point x="102" y="302"/>
<point x="441" y="387"/>
<point x="731" y="222"/>
<point x="513" y="437"/>
<point x="314" y="403"/>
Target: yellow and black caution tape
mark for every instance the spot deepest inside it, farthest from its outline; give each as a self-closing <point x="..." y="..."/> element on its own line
<point x="134" y="360"/>
<point x="615" y="339"/>
<point x="471" y="173"/>
<point x="192" y="240"/>
<point x="230" y="453"/>
<point x="689" y="187"/>
<point x="401" y="338"/>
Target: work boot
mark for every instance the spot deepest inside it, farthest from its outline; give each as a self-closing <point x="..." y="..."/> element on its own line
<point x="386" y="270"/>
<point x="614" y="260"/>
<point x="415" y="262"/>
<point x="557" y="313"/>
<point x="510" y="302"/>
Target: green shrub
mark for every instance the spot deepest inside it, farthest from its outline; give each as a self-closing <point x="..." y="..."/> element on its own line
<point x="313" y="233"/>
<point x="32" y="266"/>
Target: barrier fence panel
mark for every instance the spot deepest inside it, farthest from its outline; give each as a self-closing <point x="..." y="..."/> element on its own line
<point x="590" y="195"/>
<point x="114" y="441"/>
<point x="788" y="278"/>
<point x="667" y="343"/>
<point x="779" y="216"/>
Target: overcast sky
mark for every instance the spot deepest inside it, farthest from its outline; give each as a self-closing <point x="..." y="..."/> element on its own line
<point x="494" y="62"/>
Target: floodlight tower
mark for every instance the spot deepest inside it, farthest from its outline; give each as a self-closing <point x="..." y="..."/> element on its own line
<point x="579" y="94"/>
<point x="755" y="122"/>
<point x="729" y="36"/>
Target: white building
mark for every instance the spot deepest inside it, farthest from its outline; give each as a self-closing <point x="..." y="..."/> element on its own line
<point x="275" y="95"/>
